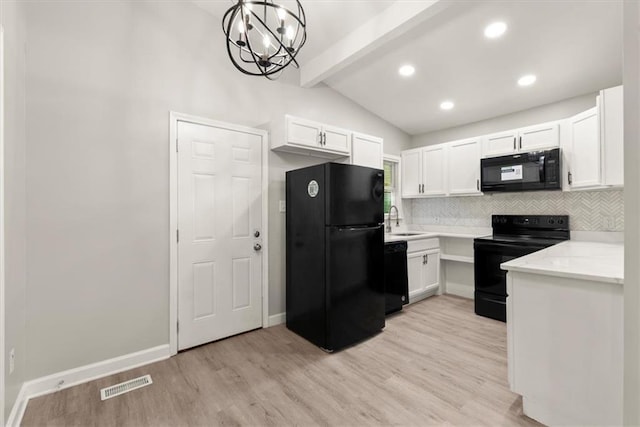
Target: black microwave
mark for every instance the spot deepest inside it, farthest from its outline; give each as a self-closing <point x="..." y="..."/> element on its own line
<point x="537" y="170"/>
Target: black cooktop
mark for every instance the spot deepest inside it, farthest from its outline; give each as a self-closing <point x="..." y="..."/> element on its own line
<point x="528" y="230"/>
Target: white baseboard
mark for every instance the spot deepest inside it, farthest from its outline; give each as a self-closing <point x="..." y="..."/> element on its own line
<point x="277" y="319"/>
<point x="83" y="374"/>
<point x="17" y="411"/>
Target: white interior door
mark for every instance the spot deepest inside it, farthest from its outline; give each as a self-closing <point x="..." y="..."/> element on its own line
<point x="220" y="224"/>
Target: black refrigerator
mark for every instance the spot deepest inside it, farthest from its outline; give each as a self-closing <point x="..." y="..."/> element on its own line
<point x="335" y="253"/>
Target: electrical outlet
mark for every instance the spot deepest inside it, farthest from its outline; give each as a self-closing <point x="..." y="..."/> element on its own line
<point x="12" y="360"/>
<point x="282" y="206"/>
<point x="609" y="223"/>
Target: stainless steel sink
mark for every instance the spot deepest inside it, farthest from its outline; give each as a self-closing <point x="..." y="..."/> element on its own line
<point x="405" y="234"/>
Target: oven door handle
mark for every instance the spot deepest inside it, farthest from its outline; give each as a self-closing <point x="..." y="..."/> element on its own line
<point x="541" y="169"/>
<point x="491" y="246"/>
<point x="494" y="300"/>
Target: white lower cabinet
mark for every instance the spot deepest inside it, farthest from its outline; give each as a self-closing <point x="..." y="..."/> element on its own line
<point x="423" y="268"/>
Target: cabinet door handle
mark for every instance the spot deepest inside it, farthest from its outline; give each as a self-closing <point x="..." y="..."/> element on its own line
<point x="514" y="143"/>
<point x="324" y="138"/>
<point x="478" y="184"/>
<point x="426" y="259"/>
<point x="422" y="188"/>
<point x="320" y="138"/>
<point x="423" y="260"/>
<point x="520" y="143"/>
<point x="570" y="178"/>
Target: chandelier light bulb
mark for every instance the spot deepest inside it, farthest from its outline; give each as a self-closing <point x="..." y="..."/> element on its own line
<point x="290" y="33"/>
<point x="266" y="41"/>
<point x="282" y="14"/>
<point x="240" y="42"/>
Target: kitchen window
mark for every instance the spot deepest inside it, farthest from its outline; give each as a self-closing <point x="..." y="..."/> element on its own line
<point x="391" y="167"/>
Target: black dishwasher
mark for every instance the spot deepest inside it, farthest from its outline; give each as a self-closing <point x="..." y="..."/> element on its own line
<point x="395" y="276"/>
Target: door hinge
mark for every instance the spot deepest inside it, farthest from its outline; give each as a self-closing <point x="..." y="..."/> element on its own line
<point x="178" y="326"/>
<point x="177" y="235"/>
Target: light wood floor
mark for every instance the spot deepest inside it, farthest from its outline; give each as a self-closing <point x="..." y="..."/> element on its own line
<point x="435" y="363"/>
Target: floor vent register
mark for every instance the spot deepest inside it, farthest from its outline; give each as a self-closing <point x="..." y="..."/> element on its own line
<point x="125" y="387"/>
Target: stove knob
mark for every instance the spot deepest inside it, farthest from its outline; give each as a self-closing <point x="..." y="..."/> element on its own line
<point x="551" y="221"/>
<point x="561" y="221"/>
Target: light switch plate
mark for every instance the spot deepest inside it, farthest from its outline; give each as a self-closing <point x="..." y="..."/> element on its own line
<point x="12" y="360"/>
<point x="282" y="206"/>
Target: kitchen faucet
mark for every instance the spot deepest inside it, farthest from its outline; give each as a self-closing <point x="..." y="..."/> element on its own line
<point x="388" y="228"/>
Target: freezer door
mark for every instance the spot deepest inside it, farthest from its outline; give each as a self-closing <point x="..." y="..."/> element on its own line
<point x="355" y="284"/>
<point x="354" y="195"/>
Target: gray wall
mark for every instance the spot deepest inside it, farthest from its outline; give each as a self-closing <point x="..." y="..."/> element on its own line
<point x="544" y="113"/>
<point x="13" y="22"/>
<point x="632" y="207"/>
<point x="101" y="78"/>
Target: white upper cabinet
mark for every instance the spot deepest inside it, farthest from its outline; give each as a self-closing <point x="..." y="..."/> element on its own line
<point x="434" y="163"/>
<point x="594" y="144"/>
<point x="302" y="136"/>
<point x="442" y="169"/>
<point x="424" y="171"/>
<point x="336" y="139"/>
<point x="612" y="134"/>
<point x="464" y="166"/>
<point x="539" y="137"/>
<point x="412" y="173"/>
<point x="500" y="144"/>
<point x="584" y="134"/>
<point x="531" y="138"/>
<point x="366" y="150"/>
<point x="303" y="132"/>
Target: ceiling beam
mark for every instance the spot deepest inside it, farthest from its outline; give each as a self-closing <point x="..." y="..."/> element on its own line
<point x="394" y="21"/>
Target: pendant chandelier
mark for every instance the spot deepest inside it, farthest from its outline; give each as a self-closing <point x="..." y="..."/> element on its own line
<point x="264" y="37"/>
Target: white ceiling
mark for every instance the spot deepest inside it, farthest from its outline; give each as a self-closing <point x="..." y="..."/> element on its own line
<point x="327" y="20"/>
<point x="574" y="47"/>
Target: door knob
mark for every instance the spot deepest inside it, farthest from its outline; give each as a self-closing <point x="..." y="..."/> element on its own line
<point x="257" y="247"/>
<point x="256" y="234"/>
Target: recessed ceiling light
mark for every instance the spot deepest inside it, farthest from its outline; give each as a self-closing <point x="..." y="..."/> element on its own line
<point x="406" y="70"/>
<point x="446" y="105"/>
<point x="495" y="30"/>
<point x="527" y="80"/>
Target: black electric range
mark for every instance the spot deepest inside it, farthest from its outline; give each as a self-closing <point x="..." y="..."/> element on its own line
<point x="513" y="236"/>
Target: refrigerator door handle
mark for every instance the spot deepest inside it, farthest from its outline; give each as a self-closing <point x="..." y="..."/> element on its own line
<point x="352" y="228"/>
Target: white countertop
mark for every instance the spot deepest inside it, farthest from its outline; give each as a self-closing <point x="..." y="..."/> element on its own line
<point x="426" y="233"/>
<point x="595" y="261"/>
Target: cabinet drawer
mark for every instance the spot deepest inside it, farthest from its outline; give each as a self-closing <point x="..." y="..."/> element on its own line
<point x="422" y="245"/>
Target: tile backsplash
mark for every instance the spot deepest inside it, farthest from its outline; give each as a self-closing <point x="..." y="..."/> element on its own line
<point x="588" y="210"/>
